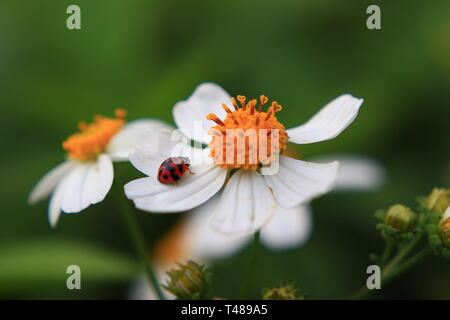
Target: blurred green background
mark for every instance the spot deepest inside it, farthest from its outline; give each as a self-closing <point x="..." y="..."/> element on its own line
<point x="145" y="56"/>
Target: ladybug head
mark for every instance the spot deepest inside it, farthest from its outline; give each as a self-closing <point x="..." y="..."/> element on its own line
<point x="186" y="160"/>
<point x="181" y="160"/>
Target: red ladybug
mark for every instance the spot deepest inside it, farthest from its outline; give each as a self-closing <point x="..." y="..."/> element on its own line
<point x="173" y="169"/>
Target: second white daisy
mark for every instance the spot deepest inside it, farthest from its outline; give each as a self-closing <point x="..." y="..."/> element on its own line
<point x="87" y="175"/>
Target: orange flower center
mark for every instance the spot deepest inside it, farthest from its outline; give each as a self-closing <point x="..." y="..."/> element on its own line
<point x="248" y="137"/>
<point x="93" y="138"/>
<point x="445" y="227"/>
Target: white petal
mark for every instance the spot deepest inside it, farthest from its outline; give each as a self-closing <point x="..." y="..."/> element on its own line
<point x="245" y="206"/>
<point x="192" y="190"/>
<point x="356" y="173"/>
<point x="54" y="208"/>
<point x="299" y="181"/>
<point x="329" y="122"/>
<point x="148" y="156"/>
<point x="72" y="186"/>
<point x="87" y="183"/>
<point x="152" y="150"/>
<point x="204" y="243"/>
<point x="125" y="141"/>
<point x="47" y="183"/>
<point x="98" y="181"/>
<point x="288" y="228"/>
<point x="190" y="115"/>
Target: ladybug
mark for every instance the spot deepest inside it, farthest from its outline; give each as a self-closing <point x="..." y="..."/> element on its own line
<point x="173" y="169"/>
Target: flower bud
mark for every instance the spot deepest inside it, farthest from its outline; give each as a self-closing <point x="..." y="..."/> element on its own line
<point x="281" y="293"/>
<point x="400" y="218"/>
<point x="439" y="200"/>
<point x="187" y="282"/>
<point x="444" y="227"/>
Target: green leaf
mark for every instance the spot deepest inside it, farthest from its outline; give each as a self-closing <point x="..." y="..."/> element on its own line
<point x="38" y="264"/>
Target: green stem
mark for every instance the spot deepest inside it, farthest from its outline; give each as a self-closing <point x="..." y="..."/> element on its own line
<point x="138" y="241"/>
<point x="390" y="245"/>
<point x="395" y="266"/>
<point x="403" y="253"/>
<point x="251" y="266"/>
<point x="361" y="293"/>
<point x="408" y="264"/>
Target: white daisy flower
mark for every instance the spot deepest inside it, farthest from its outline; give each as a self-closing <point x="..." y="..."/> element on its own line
<point x="249" y="198"/>
<point x="87" y="175"/>
<point x="193" y="239"/>
<point x="288" y="228"/>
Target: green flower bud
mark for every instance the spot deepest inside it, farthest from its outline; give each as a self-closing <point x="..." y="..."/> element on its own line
<point x="444" y="228"/>
<point x="439" y="200"/>
<point x="189" y="281"/>
<point x="282" y="293"/>
<point x="400" y="218"/>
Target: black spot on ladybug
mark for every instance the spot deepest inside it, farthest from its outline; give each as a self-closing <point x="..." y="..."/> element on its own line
<point x="173" y="174"/>
<point x="173" y="169"/>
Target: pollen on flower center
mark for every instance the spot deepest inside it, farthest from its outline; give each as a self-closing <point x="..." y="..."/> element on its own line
<point x="247" y="137"/>
<point x="93" y="138"/>
<point x="445" y="229"/>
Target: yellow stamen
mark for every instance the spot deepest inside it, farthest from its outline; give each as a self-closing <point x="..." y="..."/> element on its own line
<point x="93" y="138"/>
<point x="235" y="105"/>
<point x="224" y="106"/>
<point x="263" y="100"/>
<point x="214" y="118"/>
<point x="251" y="104"/>
<point x="242" y="121"/>
<point x="120" y="113"/>
<point x="241" y="99"/>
